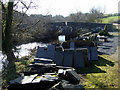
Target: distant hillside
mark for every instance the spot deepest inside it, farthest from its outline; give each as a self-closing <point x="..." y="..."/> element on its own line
<point x="110" y="19"/>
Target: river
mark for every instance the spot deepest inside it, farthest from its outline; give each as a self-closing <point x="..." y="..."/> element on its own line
<point x="23" y="50"/>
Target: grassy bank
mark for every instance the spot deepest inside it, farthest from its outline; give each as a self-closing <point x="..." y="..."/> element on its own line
<point x="115" y="34"/>
<point x="102" y="73"/>
<point x="21" y="66"/>
<point x="110" y="19"/>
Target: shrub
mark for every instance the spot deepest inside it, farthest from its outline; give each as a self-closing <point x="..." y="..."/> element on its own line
<point x="104" y="32"/>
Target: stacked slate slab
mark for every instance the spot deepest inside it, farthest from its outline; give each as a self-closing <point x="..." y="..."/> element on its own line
<point x="73" y="56"/>
<point x="76" y="58"/>
<point x="89" y="52"/>
<point x="46" y="53"/>
<point x="58" y="58"/>
<point x="72" y="45"/>
<point x="92" y="52"/>
<point x="80" y="58"/>
<point x="33" y="82"/>
<point x="41" y="52"/>
<point x="90" y="45"/>
<point x="68" y="57"/>
<point x="51" y="51"/>
<point x="72" y="76"/>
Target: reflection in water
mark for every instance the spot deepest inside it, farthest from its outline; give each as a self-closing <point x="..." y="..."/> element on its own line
<point x="23" y="50"/>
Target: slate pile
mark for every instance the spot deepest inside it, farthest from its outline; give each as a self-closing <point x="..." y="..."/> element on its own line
<point x="45" y="75"/>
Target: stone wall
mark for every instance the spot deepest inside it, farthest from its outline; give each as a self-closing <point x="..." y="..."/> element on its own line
<point x="78" y="25"/>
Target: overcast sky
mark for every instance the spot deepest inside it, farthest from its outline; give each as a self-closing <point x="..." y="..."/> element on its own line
<point x="65" y="7"/>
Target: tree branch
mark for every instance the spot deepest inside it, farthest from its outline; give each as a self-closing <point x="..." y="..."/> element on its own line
<point x="16" y="3"/>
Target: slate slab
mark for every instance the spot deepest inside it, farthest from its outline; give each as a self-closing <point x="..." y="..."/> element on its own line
<point x="72" y="45"/>
<point x="24" y="79"/>
<point x="94" y="53"/>
<point x="68" y="58"/>
<point x="79" y="59"/>
<point x="51" y="48"/>
<point x="72" y="76"/>
<point x="43" y="60"/>
<point x="58" y="58"/>
<point x="50" y="54"/>
<point x="41" y="53"/>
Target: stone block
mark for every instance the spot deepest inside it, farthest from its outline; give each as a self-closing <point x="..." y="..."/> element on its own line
<point x="94" y="53"/>
<point x="51" y="48"/>
<point x="79" y="59"/>
<point x="72" y="76"/>
<point x="58" y="58"/>
<point x="50" y="54"/>
<point x="68" y="58"/>
<point x="72" y="45"/>
<point x="41" y="53"/>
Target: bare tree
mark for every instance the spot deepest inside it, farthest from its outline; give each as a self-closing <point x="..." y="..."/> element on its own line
<point x="95" y="15"/>
<point x="8" y="35"/>
<point x="6" y="40"/>
<point x="75" y="17"/>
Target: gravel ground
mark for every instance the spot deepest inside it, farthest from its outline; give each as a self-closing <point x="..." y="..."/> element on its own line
<point x="110" y="46"/>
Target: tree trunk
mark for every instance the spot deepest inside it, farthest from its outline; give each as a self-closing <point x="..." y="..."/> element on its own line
<point x="7" y="44"/>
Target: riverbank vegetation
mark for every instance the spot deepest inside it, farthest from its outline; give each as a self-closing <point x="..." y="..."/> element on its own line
<point x="20" y="65"/>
